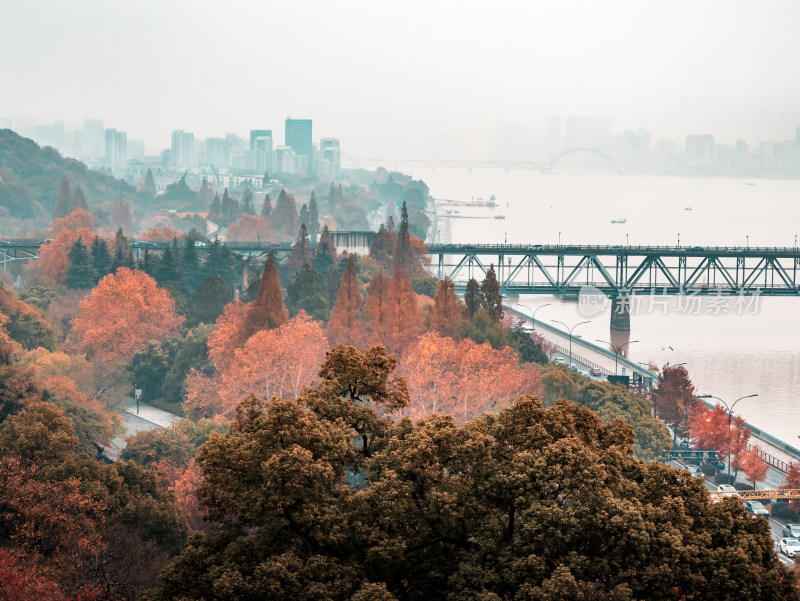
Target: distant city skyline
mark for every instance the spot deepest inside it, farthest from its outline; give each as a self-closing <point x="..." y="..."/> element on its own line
<point x="416" y="79"/>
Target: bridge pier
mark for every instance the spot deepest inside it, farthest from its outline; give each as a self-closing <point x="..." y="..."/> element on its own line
<point x="621" y="323"/>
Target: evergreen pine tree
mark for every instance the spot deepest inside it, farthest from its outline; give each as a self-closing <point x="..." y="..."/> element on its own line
<point x="247" y="203"/>
<point x="382" y="247"/>
<point x="266" y="208"/>
<point x="231" y="211"/>
<point x="149" y="186"/>
<point x="304" y="219"/>
<point x="63" y="202"/>
<point x="210" y="299"/>
<point x="313" y="218"/>
<point x="473" y="298"/>
<point x="190" y="265"/>
<point x="78" y="201"/>
<point x="121" y="214"/>
<point x="284" y="217"/>
<point x="325" y="247"/>
<point x="80" y="274"/>
<point x="215" y="211"/>
<point x="267" y="311"/>
<point x="301" y="253"/>
<point x="123" y="255"/>
<point x="169" y="269"/>
<point x="101" y="258"/>
<point x="491" y="295"/>
<point x="148" y="263"/>
<point x="345" y="325"/>
<point x="307" y="293"/>
<point x="331" y="198"/>
<point x="403" y="253"/>
<point x="205" y="194"/>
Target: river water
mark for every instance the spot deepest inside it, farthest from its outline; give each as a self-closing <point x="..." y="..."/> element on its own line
<point x="753" y="349"/>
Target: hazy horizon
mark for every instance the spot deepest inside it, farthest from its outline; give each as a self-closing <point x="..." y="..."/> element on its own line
<point x="410" y="80"/>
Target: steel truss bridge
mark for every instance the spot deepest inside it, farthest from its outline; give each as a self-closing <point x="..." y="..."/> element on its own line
<point x="623" y="271"/>
<point x="564" y="270"/>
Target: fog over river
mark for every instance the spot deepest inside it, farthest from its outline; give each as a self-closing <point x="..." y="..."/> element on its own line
<point x="749" y="350"/>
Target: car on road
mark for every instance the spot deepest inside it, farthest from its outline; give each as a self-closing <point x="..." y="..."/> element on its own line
<point x="596" y="372"/>
<point x="695" y="471"/>
<point x="756" y="508"/>
<point x="791" y="531"/>
<point x="790" y="546"/>
<point x="560" y="360"/>
<point x="726" y="488"/>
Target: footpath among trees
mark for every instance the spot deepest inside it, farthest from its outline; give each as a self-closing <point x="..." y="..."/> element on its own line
<point x="352" y="431"/>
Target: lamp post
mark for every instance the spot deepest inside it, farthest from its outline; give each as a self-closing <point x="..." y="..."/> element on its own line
<point x="730" y="415"/>
<point x="533" y="314"/>
<point x="570" y="329"/>
<point x="616" y="350"/>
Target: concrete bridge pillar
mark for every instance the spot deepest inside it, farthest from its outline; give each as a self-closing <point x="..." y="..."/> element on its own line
<point x="620" y="314"/>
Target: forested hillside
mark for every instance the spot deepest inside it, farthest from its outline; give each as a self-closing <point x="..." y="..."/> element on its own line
<point x="31" y="179"/>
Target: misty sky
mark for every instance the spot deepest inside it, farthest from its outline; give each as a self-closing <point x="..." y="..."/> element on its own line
<point x="403" y="79"/>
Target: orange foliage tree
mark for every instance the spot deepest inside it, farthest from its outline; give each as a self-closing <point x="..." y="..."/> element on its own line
<point x="463" y="378"/>
<point x="404" y="318"/>
<point x="162" y="234"/>
<point x="250" y="228"/>
<point x="272" y="362"/>
<point x="346" y="325"/>
<point x="267" y="311"/>
<point x="377" y="316"/>
<point x="125" y="310"/>
<point x="76" y="220"/>
<point x="754" y="466"/>
<point x="710" y="430"/>
<point x="52" y="262"/>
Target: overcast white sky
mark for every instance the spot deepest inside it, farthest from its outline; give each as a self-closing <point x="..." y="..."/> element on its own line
<point x="417" y="78"/>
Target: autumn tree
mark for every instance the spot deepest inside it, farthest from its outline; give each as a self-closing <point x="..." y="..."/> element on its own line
<point x="267" y="311"/>
<point x="123" y="312"/>
<point x="377" y="312"/>
<point x="754" y="466"/>
<point x="473" y="298"/>
<point x="490" y="289"/>
<point x="404" y="318"/>
<point x="123" y="254"/>
<point x="462" y="378"/>
<point x="674" y="399"/>
<point x="346" y="324"/>
<point x="76" y="220"/>
<point x="527" y="503"/>
<point x="164" y="233"/>
<point x="250" y="228"/>
<point x="301" y="252"/>
<point x="447" y="308"/>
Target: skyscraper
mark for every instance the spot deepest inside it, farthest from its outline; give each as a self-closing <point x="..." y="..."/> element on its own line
<point x="329" y="159"/>
<point x="298" y="137"/>
<point x="182" y="154"/>
<point x="116" y="149"/>
<point x="260" y="150"/>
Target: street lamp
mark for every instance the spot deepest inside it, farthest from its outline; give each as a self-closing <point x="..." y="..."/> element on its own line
<point x="533" y="314"/>
<point x="730" y="415"/>
<point x="570" y="329"/>
<point x="616" y="350"/>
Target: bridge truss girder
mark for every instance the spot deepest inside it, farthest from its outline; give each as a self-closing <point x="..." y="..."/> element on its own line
<point x="625" y="273"/>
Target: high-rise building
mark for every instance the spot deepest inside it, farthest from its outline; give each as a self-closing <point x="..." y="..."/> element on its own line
<point x="329" y="159"/>
<point x="298" y="137"/>
<point x="260" y="150"/>
<point x="116" y="149"/>
<point x="700" y="150"/>
<point x="92" y="142"/>
<point x="182" y="152"/>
